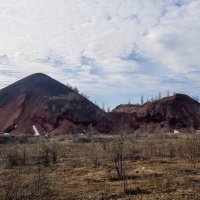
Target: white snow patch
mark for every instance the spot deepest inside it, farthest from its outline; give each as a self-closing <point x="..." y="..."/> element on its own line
<point x="176" y="132"/>
<point x="36" y="131"/>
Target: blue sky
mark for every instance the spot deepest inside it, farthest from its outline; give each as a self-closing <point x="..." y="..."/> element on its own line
<point x="112" y="50"/>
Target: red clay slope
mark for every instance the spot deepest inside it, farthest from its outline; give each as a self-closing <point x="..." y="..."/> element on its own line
<point x="51" y="106"/>
<point x="57" y="109"/>
<point x="179" y="112"/>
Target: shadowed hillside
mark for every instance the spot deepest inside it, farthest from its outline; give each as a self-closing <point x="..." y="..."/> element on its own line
<point x="42" y="101"/>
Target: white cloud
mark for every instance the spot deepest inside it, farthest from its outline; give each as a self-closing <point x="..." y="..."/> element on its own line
<point x="53" y="36"/>
<point x="175" y="39"/>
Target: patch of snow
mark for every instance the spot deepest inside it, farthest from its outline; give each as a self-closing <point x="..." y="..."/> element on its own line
<point x="6" y="134"/>
<point x="176" y="132"/>
<point x="36" y="131"/>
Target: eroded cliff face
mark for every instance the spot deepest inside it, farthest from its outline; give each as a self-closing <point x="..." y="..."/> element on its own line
<point x="179" y="112"/>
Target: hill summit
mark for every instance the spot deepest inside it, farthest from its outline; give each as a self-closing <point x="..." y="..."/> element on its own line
<point x="39" y="100"/>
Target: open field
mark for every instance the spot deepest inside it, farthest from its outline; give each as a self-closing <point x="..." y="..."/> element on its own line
<point x="100" y="167"/>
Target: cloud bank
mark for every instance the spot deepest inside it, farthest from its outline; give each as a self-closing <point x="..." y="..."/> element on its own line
<point x="113" y="50"/>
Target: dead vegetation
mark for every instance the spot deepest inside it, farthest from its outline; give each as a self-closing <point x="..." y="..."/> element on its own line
<point x="100" y="167"/>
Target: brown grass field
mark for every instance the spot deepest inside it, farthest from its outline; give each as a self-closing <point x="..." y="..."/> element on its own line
<point x="88" y="167"/>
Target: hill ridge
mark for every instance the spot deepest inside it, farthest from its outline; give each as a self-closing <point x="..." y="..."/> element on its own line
<point x="41" y="99"/>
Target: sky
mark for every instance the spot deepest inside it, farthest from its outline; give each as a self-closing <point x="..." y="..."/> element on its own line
<point x="115" y="51"/>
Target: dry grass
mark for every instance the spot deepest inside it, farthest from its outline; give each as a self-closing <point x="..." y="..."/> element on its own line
<point x="81" y="167"/>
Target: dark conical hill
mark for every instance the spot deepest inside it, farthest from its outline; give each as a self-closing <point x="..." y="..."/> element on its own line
<point x="50" y="105"/>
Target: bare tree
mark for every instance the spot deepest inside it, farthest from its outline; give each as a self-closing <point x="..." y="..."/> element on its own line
<point x="76" y="89"/>
<point x="159" y="95"/>
<point x="196" y="98"/>
<point x="152" y="99"/>
<point x="103" y="106"/>
<point x="142" y="100"/>
<point x="118" y="156"/>
<point x="108" y="109"/>
<point x="167" y="93"/>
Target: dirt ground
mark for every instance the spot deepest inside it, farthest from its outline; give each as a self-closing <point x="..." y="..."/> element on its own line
<point x="88" y="167"/>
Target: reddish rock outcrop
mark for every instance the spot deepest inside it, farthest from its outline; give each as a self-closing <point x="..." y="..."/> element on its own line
<point x="179" y="112"/>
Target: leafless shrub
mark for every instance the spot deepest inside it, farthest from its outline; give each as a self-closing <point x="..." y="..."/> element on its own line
<point x="19" y="188"/>
<point x="16" y="156"/>
<point x="95" y="155"/>
<point x="117" y="156"/>
<point x="163" y="183"/>
<point x="55" y="153"/>
<point x="189" y="147"/>
<point x="48" y="154"/>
